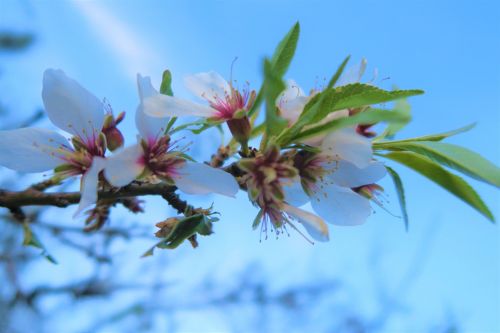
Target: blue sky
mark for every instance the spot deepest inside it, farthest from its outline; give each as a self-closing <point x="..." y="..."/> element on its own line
<point x="448" y="48"/>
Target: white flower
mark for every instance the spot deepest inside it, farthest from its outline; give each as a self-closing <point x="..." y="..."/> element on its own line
<point x="154" y="157"/>
<point x="292" y="100"/>
<point x="345" y="163"/>
<point x="75" y="110"/>
<point x="224" y="100"/>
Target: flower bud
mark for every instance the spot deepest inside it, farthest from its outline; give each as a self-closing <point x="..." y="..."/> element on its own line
<point x="114" y="138"/>
<point x="240" y="129"/>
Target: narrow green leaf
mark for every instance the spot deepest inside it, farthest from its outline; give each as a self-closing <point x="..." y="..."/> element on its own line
<point x="451" y="182"/>
<point x="184" y="229"/>
<point x="453" y="156"/>
<point x="166" y="84"/>
<point x="283" y="55"/>
<point x="280" y="61"/>
<point x="30" y="239"/>
<point x="401" y="106"/>
<point x="401" y="194"/>
<point x="273" y="86"/>
<point x="345" y="97"/>
<point x="431" y="137"/>
<point x="371" y="116"/>
<point x="338" y="73"/>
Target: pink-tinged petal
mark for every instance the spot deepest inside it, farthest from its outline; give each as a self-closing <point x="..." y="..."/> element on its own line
<point x="199" y="178"/>
<point x="71" y="107"/>
<point x="169" y="106"/>
<point x="314" y="224"/>
<point x="89" y="184"/>
<point x="209" y="85"/>
<point x="340" y="205"/>
<point x="294" y="193"/>
<point x="347" y="174"/>
<point x="32" y="149"/>
<point x="346" y="144"/>
<point x="145" y="87"/>
<point x="124" y="166"/>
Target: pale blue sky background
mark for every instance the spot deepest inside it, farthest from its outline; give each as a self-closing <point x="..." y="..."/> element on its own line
<point x="448" y="48"/>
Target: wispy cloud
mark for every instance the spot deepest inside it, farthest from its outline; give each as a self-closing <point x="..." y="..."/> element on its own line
<point x="132" y="52"/>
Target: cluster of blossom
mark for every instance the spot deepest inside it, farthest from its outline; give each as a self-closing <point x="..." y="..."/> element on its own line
<point x="335" y="172"/>
<point x="316" y="148"/>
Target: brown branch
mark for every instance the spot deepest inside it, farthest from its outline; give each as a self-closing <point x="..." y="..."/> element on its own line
<point x="34" y="195"/>
<point x="31" y="197"/>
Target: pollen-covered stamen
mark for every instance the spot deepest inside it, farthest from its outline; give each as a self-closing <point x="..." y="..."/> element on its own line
<point x="311" y="168"/>
<point x="376" y="194"/>
<point x="160" y="159"/>
<point x="78" y="159"/>
<point x="264" y="176"/>
<point x="233" y="101"/>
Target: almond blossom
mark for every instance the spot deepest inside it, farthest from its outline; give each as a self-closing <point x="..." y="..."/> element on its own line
<point x="156" y="159"/>
<point x="76" y="111"/>
<point x="225" y="103"/>
<point x="265" y="175"/>
<point x="292" y="100"/>
<point x="331" y="179"/>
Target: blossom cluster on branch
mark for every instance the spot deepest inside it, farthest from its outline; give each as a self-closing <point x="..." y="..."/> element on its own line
<point x="288" y="148"/>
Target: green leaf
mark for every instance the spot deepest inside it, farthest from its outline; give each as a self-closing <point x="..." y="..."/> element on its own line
<point x="30" y="239"/>
<point x="184" y="229"/>
<point x="371" y="116"/>
<point x="338" y="73"/>
<point x="403" y="107"/>
<point x="273" y="86"/>
<point x="431" y="137"/>
<point x="280" y="61"/>
<point x="166" y="84"/>
<point x="452" y="183"/>
<point x="344" y="97"/>
<point x="401" y="194"/>
<point x="283" y="55"/>
<point x="453" y="156"/>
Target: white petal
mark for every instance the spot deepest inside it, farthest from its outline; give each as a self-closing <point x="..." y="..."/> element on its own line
<point x="149" y="127"/>
<point x="348" y="175"/>
<point x="145" y="87"/>
<point x="199" y="178"/>
<point x="70" y="106"/>
<point x="124" y="166"/>
<point x="314" y="225"/>
<point x="340" y="205"/>
<point x="32" y="149"/>
<point x="291" y="109"/>
<point x="209" y="85"/>
<point x="292" y="91"/>
<point x="346" y="144"/>
<point x="169" y="106"/>
<point x="294" y="193"/>
<point x="89" y="185"/>
<point x="291" y="102"/>
<point x="317" y="140"/>
<point x="353" y="74"/>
